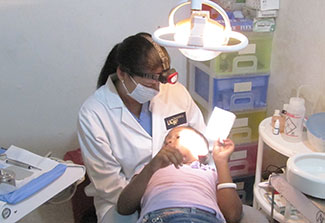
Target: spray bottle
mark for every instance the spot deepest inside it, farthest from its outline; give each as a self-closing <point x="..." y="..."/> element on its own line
<point x="294" y="118"/>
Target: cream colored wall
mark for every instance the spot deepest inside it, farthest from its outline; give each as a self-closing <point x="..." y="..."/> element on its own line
<point x="298" y="55"/>
<point x="298" y="58"/>
<point x="51" y="53"/>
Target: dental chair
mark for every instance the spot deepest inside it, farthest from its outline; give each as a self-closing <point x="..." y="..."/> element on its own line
<point x="252" y="215"/>
<point x="84" y="210"/>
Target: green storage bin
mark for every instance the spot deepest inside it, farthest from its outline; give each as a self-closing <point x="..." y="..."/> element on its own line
<point x="255" y="58"/>
<point x="245" y="128"/>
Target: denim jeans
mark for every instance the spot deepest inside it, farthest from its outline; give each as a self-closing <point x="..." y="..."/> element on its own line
<point x="181" y="215"/>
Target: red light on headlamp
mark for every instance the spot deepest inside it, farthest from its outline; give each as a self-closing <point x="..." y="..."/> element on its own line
<point x="169" y="76"/>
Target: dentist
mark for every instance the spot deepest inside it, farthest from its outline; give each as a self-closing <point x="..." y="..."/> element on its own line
<point x="122" y="126"/>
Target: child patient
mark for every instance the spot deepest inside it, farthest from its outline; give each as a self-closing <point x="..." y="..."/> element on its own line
<point x="174" y="187"/>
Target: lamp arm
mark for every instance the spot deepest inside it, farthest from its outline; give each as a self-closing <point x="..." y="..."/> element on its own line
<point x="197" y="5"/>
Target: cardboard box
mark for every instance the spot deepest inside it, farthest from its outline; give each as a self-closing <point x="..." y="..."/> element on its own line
<point x="263" y="4"/>
<point x="255" y="13"/>
<point x="264" y="25"/>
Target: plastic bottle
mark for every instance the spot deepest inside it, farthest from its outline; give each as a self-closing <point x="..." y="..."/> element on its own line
<point x="278" y="116"/>
<point x="294" y="119"/>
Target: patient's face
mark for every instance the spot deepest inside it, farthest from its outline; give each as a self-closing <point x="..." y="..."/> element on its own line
<point x="190" y="143"/>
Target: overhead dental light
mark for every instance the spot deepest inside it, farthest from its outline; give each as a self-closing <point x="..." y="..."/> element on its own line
<point x="199" y="37"/>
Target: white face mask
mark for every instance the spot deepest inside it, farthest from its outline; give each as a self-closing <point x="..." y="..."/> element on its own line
<point x="141" y="93"/>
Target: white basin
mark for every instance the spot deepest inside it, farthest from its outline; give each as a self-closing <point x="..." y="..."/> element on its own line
<point x="306" y="172"/>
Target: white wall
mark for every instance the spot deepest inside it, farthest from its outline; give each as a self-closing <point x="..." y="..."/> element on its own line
<point x="298" y="55"/>
<point x="51" y="53"/>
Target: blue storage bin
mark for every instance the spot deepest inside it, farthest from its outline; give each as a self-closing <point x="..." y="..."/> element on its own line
<point x="229" y="92"/>
<point x="239" y="93"/>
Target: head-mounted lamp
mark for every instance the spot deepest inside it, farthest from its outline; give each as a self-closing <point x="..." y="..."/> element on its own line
<point x="169" y="76"/>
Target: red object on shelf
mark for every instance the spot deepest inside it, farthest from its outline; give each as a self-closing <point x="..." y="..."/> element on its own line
<point x="82" y="205"/>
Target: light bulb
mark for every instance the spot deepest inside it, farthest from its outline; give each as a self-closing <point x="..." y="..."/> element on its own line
<point x="199" y="37"/>
<point x="201" y="32"/>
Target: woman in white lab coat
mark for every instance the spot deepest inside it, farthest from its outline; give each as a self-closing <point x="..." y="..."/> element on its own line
<point x="123" y="124"/>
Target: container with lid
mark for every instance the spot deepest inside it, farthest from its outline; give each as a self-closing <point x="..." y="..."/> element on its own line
<point x="316" y="131"/>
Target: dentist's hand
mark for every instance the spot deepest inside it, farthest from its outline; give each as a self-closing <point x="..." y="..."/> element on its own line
<point x="169" y="154"/>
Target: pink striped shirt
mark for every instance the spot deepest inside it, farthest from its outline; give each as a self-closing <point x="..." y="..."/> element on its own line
<point x="184" y="187"/>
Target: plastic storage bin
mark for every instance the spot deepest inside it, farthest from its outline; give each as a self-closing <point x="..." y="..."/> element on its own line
<point x="255" y="58"/>
<point x="234" y="93"/>
<point x="245" y="128"/>
<point x="240" y="93"/>
<point x="243" y="160"/>
<point x="245" y="186"/>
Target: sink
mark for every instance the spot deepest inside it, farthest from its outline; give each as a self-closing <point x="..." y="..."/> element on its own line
<point x="306" y="172"/>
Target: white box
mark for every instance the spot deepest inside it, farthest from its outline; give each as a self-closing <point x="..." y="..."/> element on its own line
<point x="255" y="13"/>
<point x="263" y="4"/>
<point x="264" y="25"/>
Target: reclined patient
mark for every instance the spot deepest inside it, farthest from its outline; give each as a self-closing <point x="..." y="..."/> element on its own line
<point x="174" y="187"/>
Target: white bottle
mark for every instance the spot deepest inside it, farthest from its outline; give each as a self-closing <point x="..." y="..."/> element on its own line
<point x="276" y="128"/>
<point x="294" y="119"/>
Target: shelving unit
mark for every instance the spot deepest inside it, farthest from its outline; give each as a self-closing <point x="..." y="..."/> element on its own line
<point x="277" y="143"/>
<point x="237" y="82"/>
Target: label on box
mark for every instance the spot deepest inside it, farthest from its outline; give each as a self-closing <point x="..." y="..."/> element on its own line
<point x="240" y="185"/>
<point x="255" y="13"/>
<point x="244" y="25"/>
<point x="264" y="25"/>
<point x="249" y="49"/>
<point x="242" y="87"/>
<point x="238" y="155"/>
<point x="270" y="4"/>
<point x="240" y="122"/>
<point x="263" y="4"/>
<point x="266" y="13"/>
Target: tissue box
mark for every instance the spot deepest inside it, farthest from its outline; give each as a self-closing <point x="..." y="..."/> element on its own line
<point x="254" y="13"/>
<point x="239" y="25"/>
<point x="264" y="25"/>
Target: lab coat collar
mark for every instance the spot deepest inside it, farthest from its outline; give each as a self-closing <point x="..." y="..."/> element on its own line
<point x="157" y="99"/>
<point x="114" y="102"/>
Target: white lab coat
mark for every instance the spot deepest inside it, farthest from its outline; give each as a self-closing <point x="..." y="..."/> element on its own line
<point x="114" y="145"/>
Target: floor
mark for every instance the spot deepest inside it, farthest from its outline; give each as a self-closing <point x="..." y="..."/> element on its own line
<point x="50" y="213"/>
